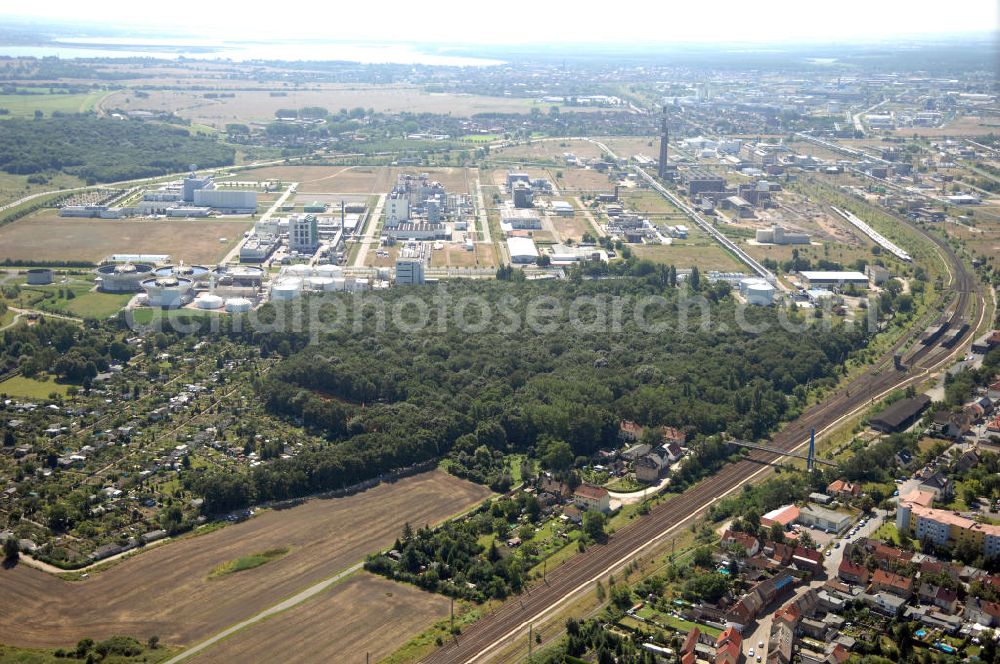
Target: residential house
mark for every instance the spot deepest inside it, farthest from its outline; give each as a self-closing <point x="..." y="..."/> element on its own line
<point x="852" y="573"/>
<point x="937" y="483"/>
<point x="844" y="489"/>
<point x="982" y="612"/>
<point x="629" y="431"/>
<point x="900" y="586"/>
<point x="672" y="436"/>
<point x="728" y="647"/>
<point x="651" y="467"/>
<point x="952" y="425"/>
<point x="637" y="451"/>
<point x="945" y="599"/>
<point x="884" y="603"/>
<point x="749" y="543"/>
<point x="808" y="560"/>
<point x="691" y="642"/>
<point x="590" y="497"/>
<point x="779" y="645"/>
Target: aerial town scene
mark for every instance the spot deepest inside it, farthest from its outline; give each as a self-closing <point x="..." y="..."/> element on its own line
<point x="467" y="335"/>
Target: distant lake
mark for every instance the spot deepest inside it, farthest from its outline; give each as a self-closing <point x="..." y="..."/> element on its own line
<point x="368" y="53"/>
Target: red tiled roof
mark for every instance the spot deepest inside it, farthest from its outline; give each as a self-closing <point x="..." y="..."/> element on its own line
<point x="591" y="491"/>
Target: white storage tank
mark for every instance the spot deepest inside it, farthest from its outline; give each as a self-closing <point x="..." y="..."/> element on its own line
<point x="238" y="305"/>
<point x="745" y="284"/>
<point x="286" y="289"/>
<point x="319" y="283"/>
<point x="361" y="284"/>
<point x="209" y="301"/>
<point x="168" y="292"/>
<point x="760" y="294"/>
<point x="339" y="283"/>
<point x="383" y="274"/>
<point x="299" y="270"/>
<point x="329" y="271"/>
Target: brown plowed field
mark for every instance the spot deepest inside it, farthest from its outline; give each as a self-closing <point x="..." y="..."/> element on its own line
<point x="365" y="614"/>
<point x="166" y="591"/>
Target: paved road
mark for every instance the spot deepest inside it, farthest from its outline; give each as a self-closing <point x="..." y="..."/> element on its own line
<point x="369" y="236"/>
<point x="234" y="254"/>
<point x="482" y="217"/>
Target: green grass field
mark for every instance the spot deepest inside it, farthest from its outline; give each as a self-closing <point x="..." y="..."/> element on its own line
<point x="86" y="303"/>
<point x="480" y="138"/>
<point x="248" y="562"/>
<point x="31" y="388"/>
<point x="22" y="106"/>
<point x="12" y="655"/>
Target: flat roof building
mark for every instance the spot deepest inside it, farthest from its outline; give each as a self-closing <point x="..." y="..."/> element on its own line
<point x="818" y="278"/>
<point x="522" y="250"/>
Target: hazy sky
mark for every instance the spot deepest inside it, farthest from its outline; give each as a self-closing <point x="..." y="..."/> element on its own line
<point x="548" y="21"/>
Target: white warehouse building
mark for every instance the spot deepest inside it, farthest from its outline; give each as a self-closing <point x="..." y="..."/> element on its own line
<point x="522" y="250"/>
<point x="224" y="200"/>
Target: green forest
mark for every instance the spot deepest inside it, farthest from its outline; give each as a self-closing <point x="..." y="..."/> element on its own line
<point x="104" y="150"/>
<point x="389" y="399"/>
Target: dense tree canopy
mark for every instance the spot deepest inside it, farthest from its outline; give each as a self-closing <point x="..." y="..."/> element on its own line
<point x="387" y="399"/>
<point x="104" y="150"/>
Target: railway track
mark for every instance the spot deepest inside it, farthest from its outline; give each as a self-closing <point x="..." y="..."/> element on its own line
<point x="510" y="621"/>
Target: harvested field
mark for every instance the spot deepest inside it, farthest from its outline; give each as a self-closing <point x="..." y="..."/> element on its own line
<point x="572" y="228"/>
<point x="260" y="106"/>
<point x="166" y="591"/>
<point x="48" y="237"/>
<point x="579" y="179"/>
<point x="365" y="614"/>
<point x="456" y="255"/>
<point x="705" y="255"/>
<point x="356" y="179"/>
<point x="552" y="150"/>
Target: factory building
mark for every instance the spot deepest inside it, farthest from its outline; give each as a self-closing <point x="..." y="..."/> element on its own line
<point x="188" y="212"/>
<point x="522" y="250"/>
<point x="513" y="219"/>
<point x="411" y="231"/>
<point x="91" y="211"/>
<point x="779" y="235"/>
<point x="409" y="271"/>
<point x="258" y="248"/>
<point x="397" y="208"/>
<point x="229" y="202"/>
<point x="830" y="279"/>
<point x="523" y="195"/>
<point x="303" y="234"/>
<point x="194" y="183"/>
<point x="513" y="177"/>
<point x="703" y="182"/>
<point x="562" y="208"/>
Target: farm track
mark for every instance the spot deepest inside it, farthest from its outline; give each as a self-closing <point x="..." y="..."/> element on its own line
<point x="480" y="640"/>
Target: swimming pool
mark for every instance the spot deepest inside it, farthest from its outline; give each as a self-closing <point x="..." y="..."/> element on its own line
<point x="944" y="647"/>
<point x="920" y="633"/>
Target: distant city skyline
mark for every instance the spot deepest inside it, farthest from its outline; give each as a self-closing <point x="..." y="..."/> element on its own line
<point x="450" y="22"/>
